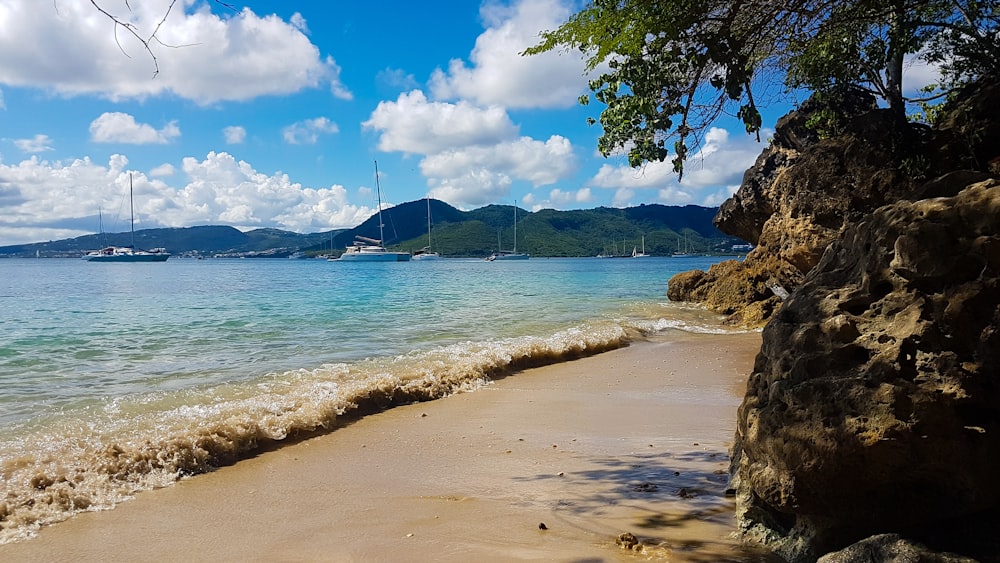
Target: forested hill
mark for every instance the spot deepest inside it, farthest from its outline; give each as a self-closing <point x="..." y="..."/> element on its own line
<point x="663" y="229"/>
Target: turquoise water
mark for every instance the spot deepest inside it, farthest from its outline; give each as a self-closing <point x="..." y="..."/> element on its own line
<point x="117" y="378"/>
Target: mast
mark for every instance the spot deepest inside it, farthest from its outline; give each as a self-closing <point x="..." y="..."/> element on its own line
<point x="428" y="223"/>
<point x="378" y="193"/>
<point x="131" y="210"/>
<point x="515" y="227"/>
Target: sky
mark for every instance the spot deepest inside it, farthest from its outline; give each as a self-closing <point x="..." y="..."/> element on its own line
<point x="272" y="114"/>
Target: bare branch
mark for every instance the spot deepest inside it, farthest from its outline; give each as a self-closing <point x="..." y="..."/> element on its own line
<point x="134" y="31"/>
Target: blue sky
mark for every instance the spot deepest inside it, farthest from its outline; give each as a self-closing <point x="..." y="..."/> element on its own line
<point x="271" y="115"/>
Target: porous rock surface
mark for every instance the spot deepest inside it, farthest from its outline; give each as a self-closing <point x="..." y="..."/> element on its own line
<point x="804" y="189"/>
<point x="874" y="404"/>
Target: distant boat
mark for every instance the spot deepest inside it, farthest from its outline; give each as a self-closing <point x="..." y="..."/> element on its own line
<point x="127" y="253"/>
<point x="643" y="253"/>
<point x="508" y="254"/>
<point x="367" y="249"/>
<point x="425" y="252"/>
<point x="684" y="253"/>
<point x="614" y="253"/>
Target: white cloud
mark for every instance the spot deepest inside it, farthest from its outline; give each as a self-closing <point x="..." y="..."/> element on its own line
<point x="480" y="175"/>
<point x="623" y="197"/>
<point x="45" y="200"/>
<point x="524" y="159"/>
<point x="712" y="171"/>
<point x="163" y="170"/>
<point x="38" y="143"/>
<point x="499" y="74"/>
<point x="234" y="134"/>
<point x="117" y="127"/>
<point x="299" y="22"/>
<point x="917" y="74"/>
<point x="226" y="191"/>
<point x="560" y="199"/>
<point x="472" y="188"/>
<point x="70" y="48"/>
<point x="472" y="154"/>
<point x="307" y="132"/>
<point x="412" y="124"/>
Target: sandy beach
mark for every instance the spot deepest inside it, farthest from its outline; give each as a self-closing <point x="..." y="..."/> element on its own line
<point x="634" y="440"/>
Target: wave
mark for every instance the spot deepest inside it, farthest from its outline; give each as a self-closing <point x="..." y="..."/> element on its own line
<point x="102" y="455"/>
<point x="96" y="457"/>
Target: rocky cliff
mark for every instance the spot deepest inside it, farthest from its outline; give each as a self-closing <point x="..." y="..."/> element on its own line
<point x="874" y="405"/>
<point x="806" y="187"/>
<point x="871" y="423"/>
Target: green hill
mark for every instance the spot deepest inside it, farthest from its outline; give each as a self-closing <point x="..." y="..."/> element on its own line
<point x="456" y="233"/>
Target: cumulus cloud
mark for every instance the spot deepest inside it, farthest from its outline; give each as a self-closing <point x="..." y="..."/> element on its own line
<point x="307" y="132"/>
<point x="163" y="170"/>
<point x="498" y="74"/>
<point x="38" y="143"/>
<point x="559" y="199"/>
<point x="711" y="174"/>
<point x="472" y="188"/>
<point x="117" y="127"/>
<point x="234" y="134"/>
<point x="918" y="74"/>
<point x="70" y="48"/>
<point x="480" y="175"/>
<point x="412" y="124"/>
<point x="45" y="200"/>
<point x="472" y="154"/>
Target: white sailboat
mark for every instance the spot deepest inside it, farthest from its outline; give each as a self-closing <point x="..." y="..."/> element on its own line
<point x="127" y="253"/>
<point x="366" y="249"/>
<point x="684" y="253"/>
<point x="509" y="254"/>
<point x="643" y="253"/>
<point x="425" y="253"/>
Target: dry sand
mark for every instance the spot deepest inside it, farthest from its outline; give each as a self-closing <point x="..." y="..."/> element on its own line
<point x="633" y="440"/>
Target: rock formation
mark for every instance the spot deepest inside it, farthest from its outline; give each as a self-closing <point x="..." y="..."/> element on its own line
<point x="805" y="188"/>
<point x="874" y="405"/>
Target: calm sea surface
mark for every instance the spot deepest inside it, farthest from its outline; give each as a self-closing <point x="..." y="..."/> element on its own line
<point x="116" y="378"/>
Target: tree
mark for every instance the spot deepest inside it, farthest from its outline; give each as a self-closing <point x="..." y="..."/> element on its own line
<point x="670" y="68"/>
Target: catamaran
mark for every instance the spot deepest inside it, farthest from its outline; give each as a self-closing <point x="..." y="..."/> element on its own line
<point x="366" y="249"/>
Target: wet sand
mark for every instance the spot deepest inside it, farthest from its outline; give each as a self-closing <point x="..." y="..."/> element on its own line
<point x="634" y="440"/>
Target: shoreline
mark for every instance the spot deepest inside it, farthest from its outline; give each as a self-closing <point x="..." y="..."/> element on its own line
<point x="632" y="440"/>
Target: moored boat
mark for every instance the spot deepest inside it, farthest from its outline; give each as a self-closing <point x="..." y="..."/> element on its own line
<point x="509" y="254"/>
<point x="365" y="249"/>
<point x="127" y="253"/>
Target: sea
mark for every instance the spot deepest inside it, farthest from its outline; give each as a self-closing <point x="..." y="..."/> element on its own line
<point x="121" y="377"/>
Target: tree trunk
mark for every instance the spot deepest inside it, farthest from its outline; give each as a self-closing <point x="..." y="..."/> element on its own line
<point x="894" y="65"/>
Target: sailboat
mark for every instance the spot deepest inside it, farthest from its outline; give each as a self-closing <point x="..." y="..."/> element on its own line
<point x="643" y="253"/>
<point x="685" y="253"/>
<point x="127" y="253"/>
<point x="509" y="254"/>
<point x="366" y="249"/>
<point x="425" y="252"/>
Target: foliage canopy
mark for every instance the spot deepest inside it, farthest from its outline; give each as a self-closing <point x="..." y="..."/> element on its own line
<point x="668" y="69"/>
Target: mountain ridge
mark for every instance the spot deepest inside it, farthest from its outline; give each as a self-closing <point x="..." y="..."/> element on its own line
<point x="547" y="232"/>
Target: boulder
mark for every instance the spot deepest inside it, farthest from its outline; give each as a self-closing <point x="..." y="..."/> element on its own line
<point x="890" y="547"/>
<point x="874" y="403"/>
